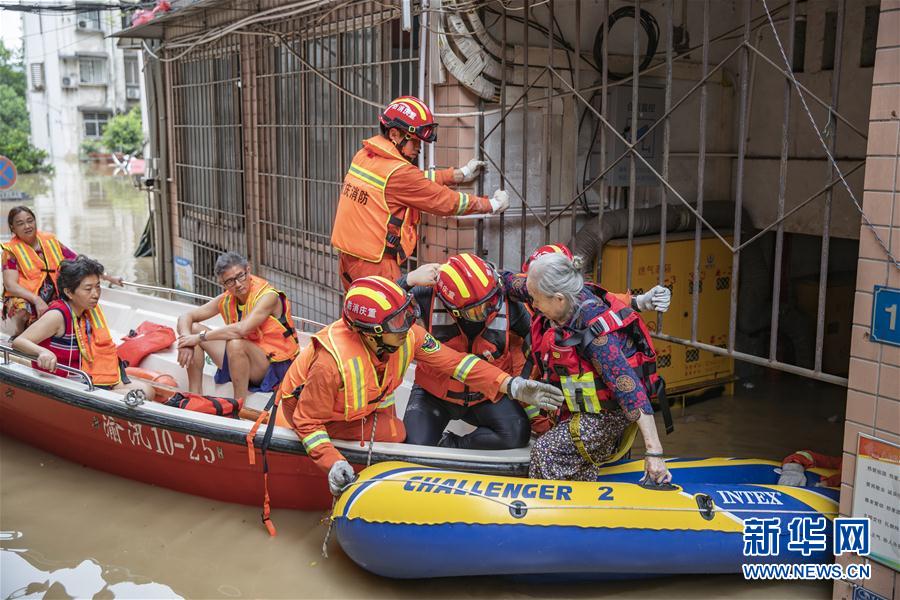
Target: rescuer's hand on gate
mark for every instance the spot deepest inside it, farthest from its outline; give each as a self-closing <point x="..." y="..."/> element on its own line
<point x="499" y="202"/>
<point x="658" y="299"/>
<point x="340" y="476"/>
<point x="655" y="470"/>
<point x="469" y="171"/>
<point x="536" y="393"/>
<point x="46" y="360"/>
<point x="792" y="474"/>
<point x="425" y="275"/>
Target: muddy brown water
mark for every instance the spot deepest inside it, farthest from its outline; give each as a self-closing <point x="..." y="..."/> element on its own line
<point x="71" y="532"/>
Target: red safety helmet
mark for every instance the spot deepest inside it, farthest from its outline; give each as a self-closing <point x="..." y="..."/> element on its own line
<point x="469" y="287"/>
<point x="548" y="249"/>
<point x="412" y="116"/>
<point x="377" y="305"/>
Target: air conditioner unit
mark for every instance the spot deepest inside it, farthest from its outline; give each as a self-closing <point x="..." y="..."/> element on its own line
<point x="133" y="93"/>
<point x="70" y="82"/>
<point x="83" y="25"/>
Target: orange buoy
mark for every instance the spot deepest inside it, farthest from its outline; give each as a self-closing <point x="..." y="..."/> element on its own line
<point x="167" y="383"/>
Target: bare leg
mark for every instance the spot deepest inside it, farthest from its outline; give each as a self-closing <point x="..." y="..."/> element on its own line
<point x="20" y="322"/>
<point x="246" y="363"/>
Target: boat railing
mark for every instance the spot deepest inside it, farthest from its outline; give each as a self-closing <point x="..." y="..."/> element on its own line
<point x="8" y="351"/>
<point x="300" y="322"/>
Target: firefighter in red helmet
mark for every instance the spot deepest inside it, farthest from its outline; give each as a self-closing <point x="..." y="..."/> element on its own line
<point x="384" y="193"/>
<point x="351" y="369"/>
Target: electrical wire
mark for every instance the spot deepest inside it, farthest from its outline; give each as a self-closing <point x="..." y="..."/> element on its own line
<point x="651" y="29"/>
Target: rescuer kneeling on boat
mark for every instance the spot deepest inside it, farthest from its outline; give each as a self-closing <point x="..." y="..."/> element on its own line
<point x="467" y="310"/>
<point x="73" y="331"/>
<point x="597" y="349"/>
<point x="30" y="269"/>
<point x="384" y="192"/>
<point x="255" y="348"/>
<point x="350" y="370"/>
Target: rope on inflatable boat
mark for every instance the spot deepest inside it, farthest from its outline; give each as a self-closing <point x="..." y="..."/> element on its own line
<point x="511" y="506"/>
<point x="348" y="486"/>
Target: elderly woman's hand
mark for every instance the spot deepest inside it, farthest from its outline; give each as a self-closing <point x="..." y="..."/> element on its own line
<point x="655" y="470"/>
<point x="46" y="360"/>
<point x="426" y="275"/>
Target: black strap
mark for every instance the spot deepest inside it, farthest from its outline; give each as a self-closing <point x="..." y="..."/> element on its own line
<point x="270" y="429"/>
<point x="466" y="396"/>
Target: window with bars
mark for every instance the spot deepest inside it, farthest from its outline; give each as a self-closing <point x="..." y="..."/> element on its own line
<point x="36" y="70"/>
<point x="94" y="123"/>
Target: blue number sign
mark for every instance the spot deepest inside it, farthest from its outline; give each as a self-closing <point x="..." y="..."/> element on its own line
<point x="886" y="316"/>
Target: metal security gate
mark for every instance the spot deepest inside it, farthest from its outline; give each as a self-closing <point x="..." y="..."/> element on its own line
<point x="269" y="106"/>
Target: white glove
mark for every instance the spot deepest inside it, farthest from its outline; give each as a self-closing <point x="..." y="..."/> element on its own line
<point x="536" y="393"/>
<point x="470" y="170"/>
<point x="340" y="476"/>
<point x="499" y="202"/>
<point x="658" y="298"/>
<point x="792" y="474"/>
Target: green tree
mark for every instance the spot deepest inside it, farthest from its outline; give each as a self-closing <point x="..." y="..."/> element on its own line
<point x="123" y="133"/>
<point x="15" y="128"/>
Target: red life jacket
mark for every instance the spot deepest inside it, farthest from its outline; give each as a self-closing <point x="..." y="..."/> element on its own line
<point x="211" y="405"/>
<point x="493" y="341"/>
<point x="148" y="338"/>
<point x="559" y="353"/>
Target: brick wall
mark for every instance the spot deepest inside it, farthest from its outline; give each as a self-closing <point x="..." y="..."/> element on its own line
<point x="873" y="397"/>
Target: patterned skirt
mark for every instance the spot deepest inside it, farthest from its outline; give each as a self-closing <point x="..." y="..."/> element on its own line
<point x="554" y="455"/>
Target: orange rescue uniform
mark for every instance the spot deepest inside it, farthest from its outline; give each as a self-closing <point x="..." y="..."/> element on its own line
<point x="32" y="269"/>
<point x="336" y="383"/>
<point x="379" y="209"/>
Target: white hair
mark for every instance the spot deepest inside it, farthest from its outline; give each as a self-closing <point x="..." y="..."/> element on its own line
<point x="555" y="274"/>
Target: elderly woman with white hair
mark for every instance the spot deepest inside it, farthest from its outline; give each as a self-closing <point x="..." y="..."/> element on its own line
<point x="597" y="349"/>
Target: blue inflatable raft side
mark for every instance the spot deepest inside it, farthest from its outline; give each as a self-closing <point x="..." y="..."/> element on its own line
<point x="406" y="521"/>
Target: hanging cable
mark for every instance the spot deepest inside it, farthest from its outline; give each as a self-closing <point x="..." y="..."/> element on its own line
<point x="651" y="29"/>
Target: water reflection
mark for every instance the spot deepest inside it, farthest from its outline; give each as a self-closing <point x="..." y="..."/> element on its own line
<point x="24" y="578"/>
<point x="91" y="211"/>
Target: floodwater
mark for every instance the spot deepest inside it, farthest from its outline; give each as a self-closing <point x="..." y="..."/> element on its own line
<point x="68" y="531"/>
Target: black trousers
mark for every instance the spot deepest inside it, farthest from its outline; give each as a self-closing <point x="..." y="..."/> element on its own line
<point x="500" y="425"/>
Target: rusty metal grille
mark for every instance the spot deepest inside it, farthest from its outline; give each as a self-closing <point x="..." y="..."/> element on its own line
<point x="208" y="156"/>
<point x="310" y="131"/>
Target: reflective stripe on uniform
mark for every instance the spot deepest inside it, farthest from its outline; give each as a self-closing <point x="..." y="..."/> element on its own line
<point x="430" y="174"/>
<point x="464" y="367"/>
<point x="316" y="438"/>
<point x="356" y="383"/>
<point x="389" y="401"/>
<point x="368" y="176"/>
<point x="615" y="318"/>
<point x="463" y="203"/>
<point x="533" y="412"/>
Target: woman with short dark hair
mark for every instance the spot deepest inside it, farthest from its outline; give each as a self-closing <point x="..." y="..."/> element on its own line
<point x="31" y="262"/>
<point x="73" y="331"/>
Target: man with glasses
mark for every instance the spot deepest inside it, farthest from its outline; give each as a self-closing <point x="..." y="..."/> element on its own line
<point x="255" y="348"/>
<point x="351" y="369"/>
<point x="466" y="309"/>
<point x="384" y="192"/>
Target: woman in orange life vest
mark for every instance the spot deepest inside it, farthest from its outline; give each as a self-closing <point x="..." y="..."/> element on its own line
<point x="351" y="369"/>
<point x="30" y="268"/>
<point x="465" y="308"/>
<point x="255" y="348"/>
<point x="594" y="348"/>
<point x="384" y="192"/>
<point x="73" y="331"/>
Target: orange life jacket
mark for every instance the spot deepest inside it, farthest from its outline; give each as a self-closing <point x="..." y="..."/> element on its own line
<point x="362" y="392"/>
<point x="276" y="337"/>
<point x="97" y="348"/>
<point x="364" y="226"/>
<point x="493" y="341"/>
<point x="33" y="270"/>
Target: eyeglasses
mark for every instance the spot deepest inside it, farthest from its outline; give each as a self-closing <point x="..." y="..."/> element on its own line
<point x="232" y="281"/>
